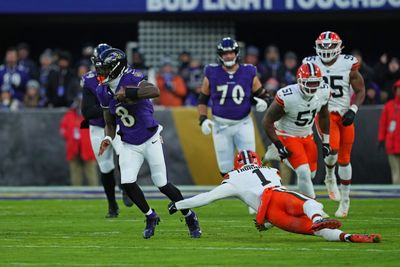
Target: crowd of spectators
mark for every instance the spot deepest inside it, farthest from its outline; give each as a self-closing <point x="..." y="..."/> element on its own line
<point x="54" y="81"/>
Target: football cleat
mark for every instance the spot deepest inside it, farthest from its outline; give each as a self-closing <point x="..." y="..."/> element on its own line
<point x="193" y="224"/>
<point x="126" y="199"/>
<point x="113" y="211"/>
<point x="325" y="223"/>
<point x="172" y="208"/>
<point x="332" y="188"/>
<point x="343" y="209"/>
<point x="359" y="238"/>
<point x="152" y="221"/>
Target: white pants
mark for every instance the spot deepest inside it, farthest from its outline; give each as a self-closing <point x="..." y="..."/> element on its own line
<point x="106" y="160"/>
<point x="132" y="156"/>
<point x="227" y="137"/>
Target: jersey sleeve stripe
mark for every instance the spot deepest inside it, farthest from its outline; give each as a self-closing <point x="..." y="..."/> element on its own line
<point x="279" y="101"/>
<point x="355" y="66"/>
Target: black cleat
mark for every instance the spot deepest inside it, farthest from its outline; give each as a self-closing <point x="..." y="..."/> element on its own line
<point x="193" y="224"/>
<point x="126" y="199"/>
<point x="172" y="208"/>
<point x="113" y="211"/>
<point x="152" y="221"/>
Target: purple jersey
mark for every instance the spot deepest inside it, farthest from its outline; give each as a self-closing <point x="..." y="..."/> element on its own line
<point x="89" y="82"/>
<point x="231" y="93"/>
<point x="136" y="122"/>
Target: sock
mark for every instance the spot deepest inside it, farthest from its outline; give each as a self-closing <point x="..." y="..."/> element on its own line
<point x="149" y="212"/>
<point x="173" y="193"/>
<point x="331" y="234"/>
<point x="330" y="162"/>
<point x="313" y="209"/>
<point x="136" y="195"/>
<point x="345" y="173"/>
<point x="108" y="181"/>
<point x="304" y="180"/>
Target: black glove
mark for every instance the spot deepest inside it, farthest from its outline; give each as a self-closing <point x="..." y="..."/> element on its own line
<point x="282" y="150"/>
<point x="326" y="150"/>
<point x="348" y="117"/>
<point x="202" y="118"/>
<point x="260" y="227"/>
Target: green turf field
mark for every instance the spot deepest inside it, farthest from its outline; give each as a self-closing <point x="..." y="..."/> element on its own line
<point x="75" y="233"/>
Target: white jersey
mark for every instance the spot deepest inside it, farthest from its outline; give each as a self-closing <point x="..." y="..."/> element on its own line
<point x="299" y="113"/>
<point x="250" y="181"/>
<point x="338" y="78"/>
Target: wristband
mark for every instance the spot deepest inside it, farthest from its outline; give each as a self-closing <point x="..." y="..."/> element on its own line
<point x="354" y="108"/>
<point x="108" y="138"/>
<point x="325" y="138"/>
<point x="202" y="118"/>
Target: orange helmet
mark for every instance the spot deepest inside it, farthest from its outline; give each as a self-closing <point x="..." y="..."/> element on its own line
<point x="309" y="78"/>
<point x="246" y="157"/>
<point x="328" y="46"/>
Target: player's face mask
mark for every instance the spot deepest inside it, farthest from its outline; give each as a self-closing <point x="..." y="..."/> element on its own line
<point x="309" y="79"/>
<point x="328" y="46"/>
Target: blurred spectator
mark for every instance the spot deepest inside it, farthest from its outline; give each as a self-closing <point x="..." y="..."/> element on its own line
<point x="194" y="83"/>
<point x="46" y="65"/>
<point x="272" y="63"/>
<point x="87" y="52"/>
<point x="32" y="98"/>
<point x="62" y="86"/>
<point x="372" y="94"/>
<point x="78" y="147"/>
<point x="7" y="101"/>
<point x="184" y="60"/>
<point x="12" y="75"/>
<point x="139" y="63"/>
<point x="23" y="51"/>
<point x="389" y="132"/>
<point x="386" y="73"/>
<point x="272" y="86"/>
<point x="252" y="54"/>
<point x="172" y="87"/>
<point x="287" y="73"/>
<point x="82" y="68"/>
<point x="366" y="71"/>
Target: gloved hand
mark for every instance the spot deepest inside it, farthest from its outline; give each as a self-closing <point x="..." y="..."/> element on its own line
<point x="326" y="150"/>
<point x="261" y="105"/>
<point x="263" y="227"/>
<point x="349" y="116"/>
<point x="282" y="150"/>
<point x="205" y="124"/>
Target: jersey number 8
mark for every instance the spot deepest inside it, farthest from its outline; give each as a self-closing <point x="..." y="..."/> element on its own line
<point x="127" y="120"/>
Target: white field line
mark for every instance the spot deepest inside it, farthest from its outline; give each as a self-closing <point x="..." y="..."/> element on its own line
<point x="360" y="249"/>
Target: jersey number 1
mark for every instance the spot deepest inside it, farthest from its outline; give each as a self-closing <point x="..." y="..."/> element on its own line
<point x="261" y="176"/>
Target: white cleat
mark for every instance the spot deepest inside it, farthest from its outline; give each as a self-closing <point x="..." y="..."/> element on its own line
<point x="332" y="188"/>
<point x="252" y="211"/>
<point x="271" y="154"/>
<point x="343" y="209"/>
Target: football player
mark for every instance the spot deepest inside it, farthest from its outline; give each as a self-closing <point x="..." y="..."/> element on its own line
<point x="125" y="97"/>
<point x="341" y="73"/>
<point x="231" y="87"/>
<point x="260" y="188"/>
<point x="93" y="115"/>
<point x="289" y="121"/>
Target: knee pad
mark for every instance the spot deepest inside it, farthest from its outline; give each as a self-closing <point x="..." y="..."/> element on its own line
<point x="345" y="172"/>
<point x="303" y="172"/>
<point x="331" y="159"/>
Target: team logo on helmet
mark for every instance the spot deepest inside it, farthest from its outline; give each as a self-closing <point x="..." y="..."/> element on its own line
<point x="246" y="157"/>
<point x="309" y="78"/>
<point x="328" y="46"/>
